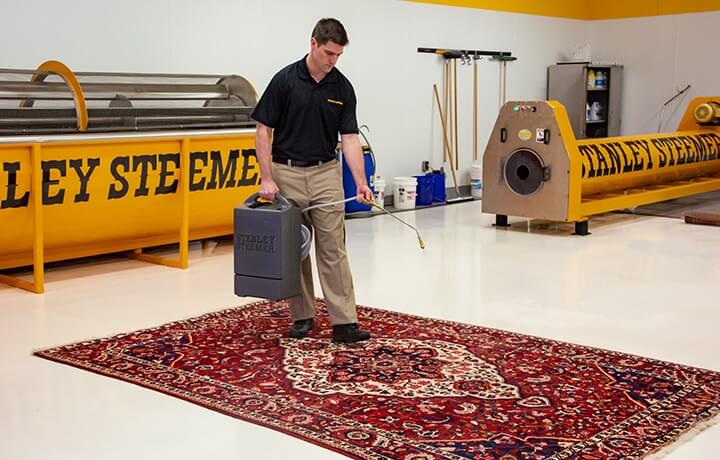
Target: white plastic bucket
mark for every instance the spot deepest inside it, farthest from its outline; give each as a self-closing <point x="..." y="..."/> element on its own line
<point x="379" y="193"/>
<point x="476" y="181"/>
<point x="405" y="192"/>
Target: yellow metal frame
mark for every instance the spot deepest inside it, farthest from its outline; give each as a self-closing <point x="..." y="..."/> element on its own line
<point x="71" y="81"/>
<point x="575" y="179"/>
<point x="182" y="261"/>
<point x="606" y="202"/>
<point x="41" y="254"/>
<point x="38" y="283"/>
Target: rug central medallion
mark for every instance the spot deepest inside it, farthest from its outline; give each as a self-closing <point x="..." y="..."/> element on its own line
<point x="405" y="368"/>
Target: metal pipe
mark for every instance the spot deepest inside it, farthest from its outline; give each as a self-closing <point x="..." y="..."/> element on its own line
<point x="475" y="108"/>
<point x="126" y="135"/>
<point x="102" y="91"/>
<point x="128" y="128"/>
<point x="115" y="74"/>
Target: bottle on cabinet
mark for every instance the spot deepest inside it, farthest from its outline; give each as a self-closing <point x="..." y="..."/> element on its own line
<point x="600" y="79"/>
<point x="591" y="78"/>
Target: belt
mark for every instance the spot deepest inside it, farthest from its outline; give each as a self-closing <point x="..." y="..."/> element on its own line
<point x="300" y="163"/>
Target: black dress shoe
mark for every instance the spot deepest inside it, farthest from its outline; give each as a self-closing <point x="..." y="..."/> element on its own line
<point x="349" y="333"/>
<point x="301" y="328"/>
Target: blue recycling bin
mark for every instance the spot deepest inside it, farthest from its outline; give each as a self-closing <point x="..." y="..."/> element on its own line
<point x="439" y="194"/>
<point x="424" y="196"/>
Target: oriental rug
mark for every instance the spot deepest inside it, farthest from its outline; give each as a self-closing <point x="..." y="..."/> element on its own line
<point x="419" y="389"/>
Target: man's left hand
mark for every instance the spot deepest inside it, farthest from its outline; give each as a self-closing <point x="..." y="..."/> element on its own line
<point x="364" y="194"/>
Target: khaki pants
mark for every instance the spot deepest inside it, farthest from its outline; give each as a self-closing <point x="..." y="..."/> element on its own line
<point x="306" y="187"/>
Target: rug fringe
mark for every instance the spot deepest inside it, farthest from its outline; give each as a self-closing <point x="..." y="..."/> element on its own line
<point x="684" y="438"/>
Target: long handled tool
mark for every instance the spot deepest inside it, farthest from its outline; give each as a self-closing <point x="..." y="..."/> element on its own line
<point x="475" y="107"/>
<point x="448" y="154"/>
<point x="447" y="105"/>
<point x="455" y="117"/>
<point x="504" y="59"/>
<point x="503" y="77"/>
<point x="420" y="240"/>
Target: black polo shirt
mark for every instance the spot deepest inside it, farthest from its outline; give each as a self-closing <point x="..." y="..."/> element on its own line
<point x="307" y="116"/>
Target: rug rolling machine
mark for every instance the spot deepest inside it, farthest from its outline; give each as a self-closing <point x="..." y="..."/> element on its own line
<point x="534" y="167"/>
<point x="100" y="162"/>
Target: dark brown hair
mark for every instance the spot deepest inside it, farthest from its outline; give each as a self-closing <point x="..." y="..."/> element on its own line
<point x="330" y="30"/>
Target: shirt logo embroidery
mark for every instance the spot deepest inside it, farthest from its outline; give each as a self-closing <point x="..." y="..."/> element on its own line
<point x="333" y="101"/>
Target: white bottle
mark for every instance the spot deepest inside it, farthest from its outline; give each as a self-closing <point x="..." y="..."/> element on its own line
<point x="600" y="79"/>
<point x="379" y="193"/>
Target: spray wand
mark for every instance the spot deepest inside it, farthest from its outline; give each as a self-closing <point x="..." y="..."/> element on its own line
<point x="374" y="204"/>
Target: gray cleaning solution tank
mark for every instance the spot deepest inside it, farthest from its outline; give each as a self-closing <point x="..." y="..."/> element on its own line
<point x="267" y="248"/>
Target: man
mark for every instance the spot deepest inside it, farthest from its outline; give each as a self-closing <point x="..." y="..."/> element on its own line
<point x="303" y="109"/>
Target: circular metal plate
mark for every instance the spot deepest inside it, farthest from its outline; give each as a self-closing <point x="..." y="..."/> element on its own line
<point x="523" y="172"/>
<point x="703" y="113"/>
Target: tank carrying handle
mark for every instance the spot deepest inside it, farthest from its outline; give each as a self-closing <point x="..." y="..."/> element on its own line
<point x="256" y="201"/>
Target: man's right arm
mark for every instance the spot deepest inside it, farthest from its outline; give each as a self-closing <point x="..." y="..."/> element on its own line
<point x="263" y="147"/>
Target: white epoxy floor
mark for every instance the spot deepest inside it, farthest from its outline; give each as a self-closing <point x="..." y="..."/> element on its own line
<point x="641" y="285"/>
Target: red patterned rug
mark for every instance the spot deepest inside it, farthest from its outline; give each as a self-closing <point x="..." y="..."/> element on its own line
<point x="419" y="389"/>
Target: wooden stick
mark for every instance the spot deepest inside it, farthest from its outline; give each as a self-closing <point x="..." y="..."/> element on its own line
<point x="503" y="79"/>
<point x="448" y="154"/>
<point x="445" y="84"/>
<point x="455" y="119"/>
<point x="447" y="107"/>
